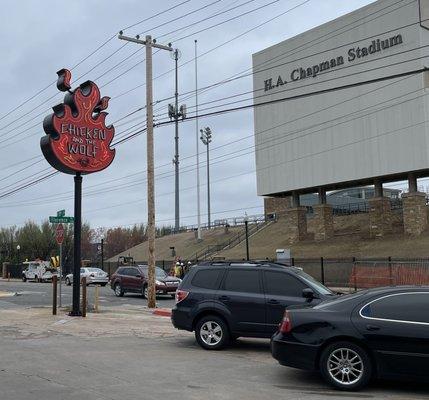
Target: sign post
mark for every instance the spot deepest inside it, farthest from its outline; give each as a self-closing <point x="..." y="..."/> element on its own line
<point x="77" y="142"/>
<point x="59" y="236"/>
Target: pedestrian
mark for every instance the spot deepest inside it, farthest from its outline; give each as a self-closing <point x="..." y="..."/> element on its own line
<point x="177" y="270"/>
<point x="188" y="267"/>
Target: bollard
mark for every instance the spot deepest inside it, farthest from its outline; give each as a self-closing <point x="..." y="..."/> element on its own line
<point x="389" y="260"/>
<point x="54" y="295"/>
<point x="97" y="288"/>
<point x="8" y="276"/>
<point x="83" y="296"/>
<point x="354" y="270"/>
<point x="322" y="270"/>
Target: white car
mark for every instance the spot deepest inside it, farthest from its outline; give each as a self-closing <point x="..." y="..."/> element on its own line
<point x="94" y="276"/>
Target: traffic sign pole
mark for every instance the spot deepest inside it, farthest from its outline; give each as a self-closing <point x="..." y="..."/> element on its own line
<point x="59" y="236"/>
<point x="61" y="271"/>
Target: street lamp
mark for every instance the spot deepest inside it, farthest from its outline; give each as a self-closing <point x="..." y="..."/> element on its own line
<point x="246" y="223"/>
<point x="18" y="247"/>
<point x="206" y="138"/>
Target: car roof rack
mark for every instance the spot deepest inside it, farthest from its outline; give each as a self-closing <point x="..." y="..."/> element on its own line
<point x="240" y="263"/>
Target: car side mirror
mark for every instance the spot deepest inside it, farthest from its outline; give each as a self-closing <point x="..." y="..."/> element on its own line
<point x="308" y="293"/>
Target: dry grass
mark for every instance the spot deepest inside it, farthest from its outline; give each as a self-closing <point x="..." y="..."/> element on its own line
<point x="185" y="244"/>
<point x="351" y="240"/>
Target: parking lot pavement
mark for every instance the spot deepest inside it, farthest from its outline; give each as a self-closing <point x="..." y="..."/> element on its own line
<point x="33" y="294"/>
<point x="117" y="355"/>
<point x="127" y="352"/>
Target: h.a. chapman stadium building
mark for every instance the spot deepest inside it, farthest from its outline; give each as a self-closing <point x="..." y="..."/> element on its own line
<point x="345" y="105"/>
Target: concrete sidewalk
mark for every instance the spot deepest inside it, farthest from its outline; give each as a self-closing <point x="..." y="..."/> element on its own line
<point x="111" y="322"/>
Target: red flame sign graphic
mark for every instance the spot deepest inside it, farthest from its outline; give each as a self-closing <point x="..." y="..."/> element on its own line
<point x="77" y="138"/>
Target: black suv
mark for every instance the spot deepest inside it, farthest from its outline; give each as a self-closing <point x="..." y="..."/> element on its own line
<point x="221" y="301"/>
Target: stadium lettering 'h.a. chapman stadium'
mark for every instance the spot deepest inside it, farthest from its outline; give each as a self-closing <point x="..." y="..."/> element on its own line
<point x="353" y="54"/>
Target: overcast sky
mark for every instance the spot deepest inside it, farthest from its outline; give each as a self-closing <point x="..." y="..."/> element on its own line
<point x="40" y="37"/>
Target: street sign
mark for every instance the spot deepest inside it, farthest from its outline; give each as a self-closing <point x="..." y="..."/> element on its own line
<point x="61" y="213"/>
<point x="59" y="234"/>
<point x="61" y="220"/>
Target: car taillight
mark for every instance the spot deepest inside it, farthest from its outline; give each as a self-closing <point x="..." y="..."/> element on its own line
<point x="286" y="324"/>
<point x="181" y="295"/>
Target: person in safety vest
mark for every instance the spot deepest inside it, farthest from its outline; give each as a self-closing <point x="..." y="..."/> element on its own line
<point x="178" y="270"/>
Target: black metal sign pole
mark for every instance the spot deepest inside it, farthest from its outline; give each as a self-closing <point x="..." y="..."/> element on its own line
<point x="77" y="243"/>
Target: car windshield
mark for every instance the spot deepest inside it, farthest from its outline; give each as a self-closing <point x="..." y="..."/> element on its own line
<point x="95" y="270"/>
<point x="322" y="289"/>
<point x="159" y="272"/>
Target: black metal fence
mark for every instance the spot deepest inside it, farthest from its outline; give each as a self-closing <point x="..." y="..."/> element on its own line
<point x="347" y="273"/>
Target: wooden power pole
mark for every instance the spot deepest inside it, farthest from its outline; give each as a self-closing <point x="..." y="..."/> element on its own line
<point x="149" y="44"/>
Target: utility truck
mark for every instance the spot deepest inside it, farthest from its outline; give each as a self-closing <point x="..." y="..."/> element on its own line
<point x="38" y="271"/>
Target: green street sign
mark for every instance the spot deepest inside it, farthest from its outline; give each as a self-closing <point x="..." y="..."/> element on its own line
<point x="61" y="220"/>
<point x="61" y="213"/>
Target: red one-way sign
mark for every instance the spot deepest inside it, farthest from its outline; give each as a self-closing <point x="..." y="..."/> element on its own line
<point x="59" y="233"/>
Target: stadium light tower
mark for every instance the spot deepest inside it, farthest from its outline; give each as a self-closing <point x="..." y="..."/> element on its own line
<point x="206" y="138"/>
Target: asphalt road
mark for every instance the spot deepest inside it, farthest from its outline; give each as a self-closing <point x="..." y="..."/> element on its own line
<point x="33" y="294"/>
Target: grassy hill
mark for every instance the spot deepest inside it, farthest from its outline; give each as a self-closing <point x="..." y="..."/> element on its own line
<point x="185" y="244"/>
<point x="351" y="240"/>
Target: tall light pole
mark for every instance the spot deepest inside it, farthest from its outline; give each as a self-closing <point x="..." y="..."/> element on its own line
<point x="246" y="227"/>
<point x="197" y="143"/>
<point x="149" y="44"/>
<point x="175" y="113"/>
<point x="206" y="138"/>
<point x="18" y="248"/>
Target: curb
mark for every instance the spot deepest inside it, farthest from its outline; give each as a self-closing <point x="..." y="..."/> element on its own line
<point x="162" y="312"/>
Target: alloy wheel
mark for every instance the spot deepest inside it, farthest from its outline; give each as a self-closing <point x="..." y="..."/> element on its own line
<point x="211" y="333"/>
<point x="345" y="366"/>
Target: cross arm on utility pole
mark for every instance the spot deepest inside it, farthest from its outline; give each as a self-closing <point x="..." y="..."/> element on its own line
<point x="143" y="42"/>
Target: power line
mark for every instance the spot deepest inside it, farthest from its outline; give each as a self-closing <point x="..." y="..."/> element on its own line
<point x="192" y="167"/>
<point x="83" y="60"/>
<point x="303" y="95"/>
<point x="299" y="48"/>
<point x="290" y="98"/>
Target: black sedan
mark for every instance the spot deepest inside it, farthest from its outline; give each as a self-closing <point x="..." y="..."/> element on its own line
<point x="381" y="332"/>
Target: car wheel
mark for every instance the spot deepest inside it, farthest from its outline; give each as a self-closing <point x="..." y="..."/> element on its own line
<point x="118" y="290"/>
<point x="145" y="291"/>
<point x="103" y="284"/>
<point x="24" y="279"/>
<point x="211" y="333"/>
<point x="346" y="366"/>
<point x="68" y="283"/>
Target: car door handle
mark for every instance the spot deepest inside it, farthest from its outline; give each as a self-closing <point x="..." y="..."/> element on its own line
<point x="273" y="302"/>
<point x="372" y="328"/>
<point x="224" y="298"/>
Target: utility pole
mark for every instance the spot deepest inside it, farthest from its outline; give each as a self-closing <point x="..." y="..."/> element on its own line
<point x="197" y="142"/>
<point x="149" y="43"/>
<point x="175" y="113"/>
<point x="206" y="138"/>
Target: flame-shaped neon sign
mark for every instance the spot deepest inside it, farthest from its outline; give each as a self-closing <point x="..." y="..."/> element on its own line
<point x="77" y="138"/>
